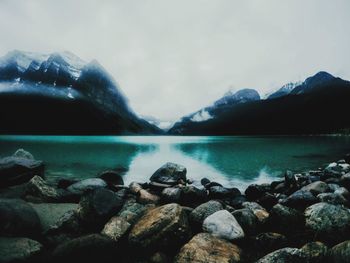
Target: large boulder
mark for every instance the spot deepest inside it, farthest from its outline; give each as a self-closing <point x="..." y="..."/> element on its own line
<point x="284" y="255"/>
<point x="192" y="196"/>
<point x="204" y="210"/>
<point x="255" y="191"/>
<point x="316" y="188"/>
<point x="170" y="173"/>
<point x="86" y="185"/>
<point x="300" y="200"/>
<point x="340" y="253"/>
<point x="90" y="248"/>
<point x="18" y="218"/>
<point x="18" y="169"/>
<point x="205" y="248"/>
<point x="165" y="227"/>
<point x="19" y="249"/>
<point x="97" y="207"/>
<point x="223" y="225"/>
<point x="327" y="222"/>
<point x="220" y="192"/>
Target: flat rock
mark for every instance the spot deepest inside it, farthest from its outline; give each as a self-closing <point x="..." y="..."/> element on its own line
<point x="224" y="225"/>
<point x="205" y="248"/>
<point x="169" y="173"/>
<point x="19" y="249"/>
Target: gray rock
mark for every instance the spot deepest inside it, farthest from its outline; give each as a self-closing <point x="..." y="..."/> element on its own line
<point x="38" y="188"/>
<point x="247" y="220"/>
<point x="116" y="228"/>
<point x="316" y="188"/>
<point x="282" y="218"/>
<point x="258" y="211"/>
<point x="315" y="251"/>
<point x="171" y="194"/>
<point x="170" y="173"/>
<point x="300" y="200"/>
<point x="133" y="211"/>
<point x="18" y="218"/>
<point x="340" y="253"/>
<point x="202" y="211"/>
<point x="343" y="191"/>
<point x="85" y="185"/>
<point x="333" y="187"/>
<point x="327" y="222"/>
<point x="284" y="255"/>
<point x="19" y="249"/>
<point x="224" y="225"/>
<point x="333" y="198"/>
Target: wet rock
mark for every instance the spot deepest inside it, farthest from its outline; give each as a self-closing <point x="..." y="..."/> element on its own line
<point x="204" y="247"/>
<point x="247" y="220"/>
<point x="255" y="191"/>
<point x="340" y="253"/>
<point x="170" y="174"/>
<point x="265" y="243"/>
<point x="111" y="177"/>
<point x="238" y="201"/>
<point x="116" y="228"/>
<point x="284" y="255"/>
<point x="282" y="218"/>
<point x="333" y="198"/>
<point x="258" y="211"/>
<point x="328" y="223"/>
<point x="171" y="194"/>
<point x="18" y="218"/>
<point x="19" y="249"/>
<point x="98" y="206"/>
<point x="132" y="211"/>
<point x="220" y="192"/>
<point x="300" y="200"/>
<point x="224" y="225"/>
<point x="90" y="248"/>
<point x="193" y="196"/>
<point x="145" y="197"/>
<point x="17" y="170"/>
<point x="162" y="228"/>
<point x="316" y="188"/>
<point x="83" y="186"/>
<point x="315" y="251"/>
<point x="202" y="211"/>
<point x="205" y="181"/>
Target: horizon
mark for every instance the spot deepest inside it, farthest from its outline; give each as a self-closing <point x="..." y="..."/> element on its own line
<point x="170" y="69"/>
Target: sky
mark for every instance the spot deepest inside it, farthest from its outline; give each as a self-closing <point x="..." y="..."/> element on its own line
<point x="173" y="57"/>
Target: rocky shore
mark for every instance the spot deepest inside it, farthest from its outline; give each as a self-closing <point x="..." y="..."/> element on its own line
<point x="301" y="218"/>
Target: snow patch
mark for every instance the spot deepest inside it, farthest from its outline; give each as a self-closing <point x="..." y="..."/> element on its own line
<point x="202" y="115"/>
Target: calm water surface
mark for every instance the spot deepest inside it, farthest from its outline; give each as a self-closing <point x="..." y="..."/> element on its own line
<point x="236" y="161"/>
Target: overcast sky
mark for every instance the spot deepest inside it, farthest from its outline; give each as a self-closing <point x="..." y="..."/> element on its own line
<point x="172" y="57"/>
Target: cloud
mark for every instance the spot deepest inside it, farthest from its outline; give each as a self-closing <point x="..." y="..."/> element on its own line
<point x="173" y="57"/>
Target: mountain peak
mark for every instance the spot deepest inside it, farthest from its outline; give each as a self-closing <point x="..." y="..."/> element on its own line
<point x="239" y="96"/>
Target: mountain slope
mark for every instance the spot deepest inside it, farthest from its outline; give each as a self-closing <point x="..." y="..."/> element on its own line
<point x="61" y="94"/>
<point x="317" y="106"/>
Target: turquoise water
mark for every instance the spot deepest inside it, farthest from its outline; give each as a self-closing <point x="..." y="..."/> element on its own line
<point x="235" y="161"/>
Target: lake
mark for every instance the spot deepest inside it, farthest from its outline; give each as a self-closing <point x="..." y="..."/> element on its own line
<point x="233" y="160"/>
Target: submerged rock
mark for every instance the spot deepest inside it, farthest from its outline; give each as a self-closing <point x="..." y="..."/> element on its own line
<point x="19" y="249"/>
<point x="224" y="225"/>
<point x="204" y="247"/>
<point x="170" y="173"/>
<point x="165" y="228"/>
<point x="85" y="185"/>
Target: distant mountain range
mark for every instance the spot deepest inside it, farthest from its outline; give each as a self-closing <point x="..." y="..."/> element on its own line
<point x="317" y="105"/>
<point x="60" y="93"/>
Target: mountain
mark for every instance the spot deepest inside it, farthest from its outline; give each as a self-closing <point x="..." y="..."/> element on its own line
<point x="317" y="105"/>
<point x="60" y="93"/>
<point x="284" y="90"/>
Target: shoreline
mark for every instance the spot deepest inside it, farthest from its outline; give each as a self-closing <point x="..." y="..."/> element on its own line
<point x="304" y="217"/>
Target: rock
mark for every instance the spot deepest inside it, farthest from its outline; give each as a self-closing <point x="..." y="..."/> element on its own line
<point x="202" y="211"/>
<point x="90" y="248"/>
<point x="83" y="186"/>
<point x="21" y="153"/>
<point x="18" y="218"/>
<point x="38" y="188"/>
<point x="258" y="211"/>
<point x="97" y="207"/>
<point x="315" y="251"/>
<point x="132" y="211"/>
<point x="157" y="187"/>
<point x="220" y="192"/>
<point x="205" y="248"/>
<point x="171" y="195"/>
<point x="16" y="191"/>
<point x="145" y="197"/>
<point x="267" y="200"/>
<point x="205" y="181"/>
<point x="193" y="196"/>
<point x="334" y="187"/>
<point x="343" y="191"/>
<point x="300" y="200"/>
<point x="111" y="177"/>
<point x="282" y="218"/>
<point x="328" y="223"/>
<point x="162" y="228"/>
<point x="333" y="198"/>
<point x="255" y="191"/>
<point x="284" y="255"/>
<point x="316" y="188"/>
<point x="50" y="214"/>
<point x="19" y="249"/>
<point x="116" y="228"/>
<point x="238" y="201"/>
<point x="222" y="224"/>
<point x="265" y="243"/>
<point x="135" y="188"/>
<point x="340" y="253"/>
<point x="17" y="170"/>
<point x="159" y="257"/>
<point x="63" y="183"/>
<point x="247" y="220"/>
<point x="345" y="181"/>
<point x="290" y="179"/>
<point x="169" y="173"/>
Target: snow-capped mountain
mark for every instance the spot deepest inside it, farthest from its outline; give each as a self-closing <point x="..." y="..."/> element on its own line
<point x="240" y="96"/>
<point x="284" y="90"/>
<point x="66" y="79"/>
